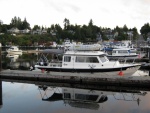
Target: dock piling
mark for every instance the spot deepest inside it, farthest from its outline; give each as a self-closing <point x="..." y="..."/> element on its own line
<point x="0" y="57"/>
<point x="149" y="54"/>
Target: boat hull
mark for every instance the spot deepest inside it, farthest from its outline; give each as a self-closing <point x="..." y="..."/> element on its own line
<point x="14" y="52"/>
<point x="124" y="71"/>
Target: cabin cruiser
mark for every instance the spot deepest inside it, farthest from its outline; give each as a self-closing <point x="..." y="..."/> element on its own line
<point x="14" y="50"/>
<point x="123" y="52"/>
<point x="12" y="57"/>
<point x="85" y="47"/>
<point x="88" y="98"/>
<point x="84" y="63"/>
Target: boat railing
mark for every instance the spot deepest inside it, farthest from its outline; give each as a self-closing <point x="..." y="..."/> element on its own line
<point x="126" y="97"/>
<point x="125" y="60"/>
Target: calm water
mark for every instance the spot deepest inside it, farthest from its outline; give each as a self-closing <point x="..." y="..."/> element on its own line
<point x="31" y="98"/>
<point x="18" y="97"/>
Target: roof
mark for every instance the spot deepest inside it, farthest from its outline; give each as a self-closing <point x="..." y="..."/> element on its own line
<point x="122" y="49"/>
<point x="84" y="53"/>
<point x="52" y="51"/>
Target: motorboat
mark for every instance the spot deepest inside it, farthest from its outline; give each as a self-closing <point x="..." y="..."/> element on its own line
<point x="85" y="47"/>
<point x="12" y="57"/>
<point x="14" y="50"/>
<point x="88" y="98"/>
<point x="124" y="53"/>
<point x="83" y="63"/>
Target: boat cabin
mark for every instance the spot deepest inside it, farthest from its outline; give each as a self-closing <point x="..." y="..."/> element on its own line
<point x="86" y="59"/>
<point x="76" y="59"/>
<point x="122" y="52"/>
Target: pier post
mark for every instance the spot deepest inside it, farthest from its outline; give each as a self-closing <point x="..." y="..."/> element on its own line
<point x="0" y="79"/>
<point x="1" y="102"/>
<point x="0" y="56"/>
<point x="149" y="54"/>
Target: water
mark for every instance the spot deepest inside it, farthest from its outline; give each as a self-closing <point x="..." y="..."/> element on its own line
<point x="19" y="97"/>
<point x="32" y="98"/>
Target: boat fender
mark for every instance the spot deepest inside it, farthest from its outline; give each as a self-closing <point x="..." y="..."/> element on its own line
<point x="121" y="73"/>
<point x="42" y="70"/>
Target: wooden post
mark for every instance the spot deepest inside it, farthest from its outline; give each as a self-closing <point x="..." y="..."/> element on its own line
<point x="1" y="102"/>
<point x="0" y="57"/>
<point x="149" y="54"/>
<point x="0" y="79"/>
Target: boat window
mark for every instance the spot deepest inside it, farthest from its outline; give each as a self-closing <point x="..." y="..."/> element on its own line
<point x="103" y="58"/>
<point x="132" y="51"/>
<point x="86" y="97"/>
<point x="67" y="58"/>
<point x="113" y="51"/>
<point x="80" y="59"/>
<point x="92" y="60"/>
<point x="87" y="59"/>
<point x="67" y="96"/>
<point x="122" y="51"/>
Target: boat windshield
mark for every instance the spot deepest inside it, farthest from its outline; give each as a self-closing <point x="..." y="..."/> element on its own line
<point x="103" y="58"/>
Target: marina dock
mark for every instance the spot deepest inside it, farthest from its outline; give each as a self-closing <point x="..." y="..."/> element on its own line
<point x="37" y="76"/>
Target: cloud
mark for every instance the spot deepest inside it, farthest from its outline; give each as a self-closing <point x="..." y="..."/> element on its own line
<point x="104" y="13"/>
<point x="61" y="6"/>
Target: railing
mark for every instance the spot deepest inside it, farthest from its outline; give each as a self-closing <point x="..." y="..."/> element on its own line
<point x="124" y="60"/>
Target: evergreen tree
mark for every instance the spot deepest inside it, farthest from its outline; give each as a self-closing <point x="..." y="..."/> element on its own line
<point x="25" y="25"/>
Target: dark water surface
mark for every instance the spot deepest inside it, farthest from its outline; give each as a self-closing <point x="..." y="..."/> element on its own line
<point x="18" y="97"/>
<point x="31" y="98"/>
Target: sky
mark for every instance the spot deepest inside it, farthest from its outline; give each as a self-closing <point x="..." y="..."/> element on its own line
<point x="104" y="13"/>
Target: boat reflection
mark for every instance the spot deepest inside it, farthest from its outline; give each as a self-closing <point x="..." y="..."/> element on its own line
<point x="88" y="98"/>
<point x="12" y="57"/>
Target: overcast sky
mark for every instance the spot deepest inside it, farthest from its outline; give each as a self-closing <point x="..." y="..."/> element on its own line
<point x="104" y="13"/>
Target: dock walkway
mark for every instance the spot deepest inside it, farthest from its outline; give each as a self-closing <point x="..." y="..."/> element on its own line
<point x="137" y="81"/>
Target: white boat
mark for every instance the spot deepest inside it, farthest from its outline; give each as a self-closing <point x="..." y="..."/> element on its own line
<point x="123" y="53"/>
<point x="14" y="50"/>
<point x="85" y="47"/>
<point x="88" y="98"/>
<point x="12" y="57"/>
<point x="84" y="63"/>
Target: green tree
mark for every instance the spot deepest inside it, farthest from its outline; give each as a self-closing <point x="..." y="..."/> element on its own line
<point x="145" y="29"/>
<point x="25" y="25"/>
<point x="66" y="23"/>
<point x="16" y="22"/>
<point x="36" y="27"/>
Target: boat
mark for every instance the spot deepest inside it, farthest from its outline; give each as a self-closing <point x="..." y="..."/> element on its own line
<point x="12" y="57"/>
<point x="88" y="98"/>
<point x="14" y="50"/>
<point x="83" y="63"/>
<point x="123" y="53"/>
<point x="85" y="47"/>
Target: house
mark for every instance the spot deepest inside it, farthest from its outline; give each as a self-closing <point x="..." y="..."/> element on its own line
<point x="39" y="31"/>
<point x="25" y="31"/>
<point x="13" y="30"/>
<point x="53" y="33"/>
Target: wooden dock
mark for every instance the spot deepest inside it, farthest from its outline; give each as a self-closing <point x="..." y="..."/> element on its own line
<point x="37" y="76"/>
